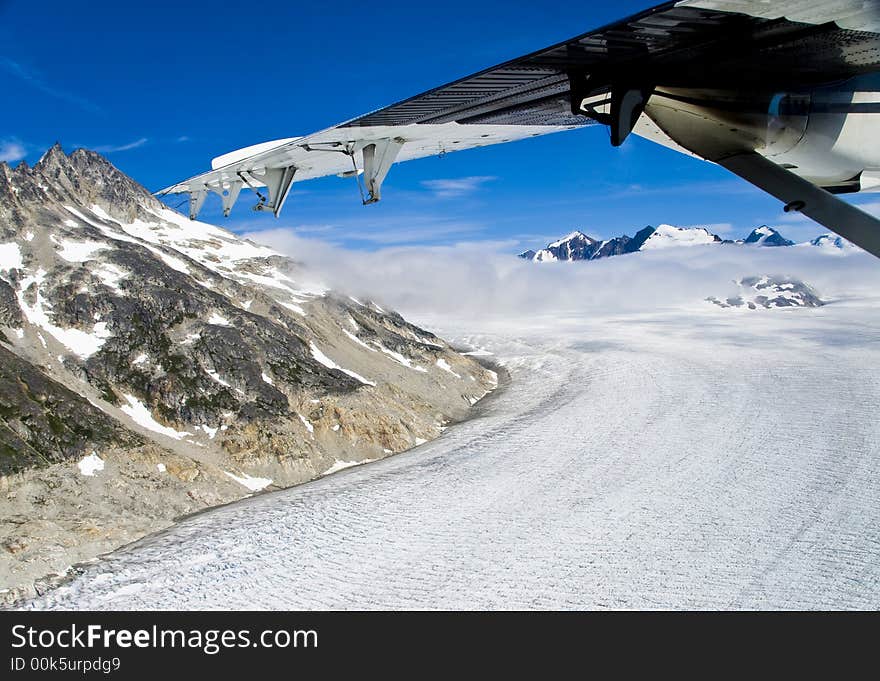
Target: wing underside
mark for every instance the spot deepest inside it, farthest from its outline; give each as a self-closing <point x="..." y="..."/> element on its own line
<point x="607" y="76"/>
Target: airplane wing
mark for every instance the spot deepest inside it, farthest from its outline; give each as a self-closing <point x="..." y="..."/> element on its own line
<point x="742" y="83"/>
<point x="366" y="151"/>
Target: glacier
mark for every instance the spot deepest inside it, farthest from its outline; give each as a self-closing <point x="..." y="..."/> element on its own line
<point x="677" y="458"/>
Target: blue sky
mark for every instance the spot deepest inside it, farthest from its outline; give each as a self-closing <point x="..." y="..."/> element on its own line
<point x="163" y="87"/>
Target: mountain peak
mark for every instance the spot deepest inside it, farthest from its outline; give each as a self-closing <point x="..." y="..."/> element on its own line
<point x="54" y="154"/>
<point x="575" y="235"/>
<point x="85" y="157"/>
<point x="833" y="243"/>
<point x="767" y="236"/>
<point x="578" y="246"/>
<point x="86" y="177"/>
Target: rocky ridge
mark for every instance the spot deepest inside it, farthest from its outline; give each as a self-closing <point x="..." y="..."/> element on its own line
<point x="151" y="366"/>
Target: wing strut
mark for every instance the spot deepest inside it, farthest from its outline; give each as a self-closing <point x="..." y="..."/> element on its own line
<point x="378" y="157"/>
<point x="803" y="196"/>
<point x="619" y="107"/>
<point x="278" y="182"/>
<point x="229" y="195"/>
<point x="627" y="104"/>
<point x="196" y="201"/>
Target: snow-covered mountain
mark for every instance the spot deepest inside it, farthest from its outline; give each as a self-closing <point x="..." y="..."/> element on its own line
<point x="579" y="246"/>
<point x="151" y="366"/>
<point x="669" y="236"/>
<point x="831" y="243"/>
<point x="769" y="292"/>
<point x="574" y="246"/>
<point x="767" y="236"/>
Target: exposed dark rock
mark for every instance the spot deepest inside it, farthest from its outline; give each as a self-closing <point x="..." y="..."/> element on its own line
<point x="179" y="354"/>
<point x="42" y="422"/>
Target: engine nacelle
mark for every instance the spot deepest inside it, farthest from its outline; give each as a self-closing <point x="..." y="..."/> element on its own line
<point x="830" y="135"/>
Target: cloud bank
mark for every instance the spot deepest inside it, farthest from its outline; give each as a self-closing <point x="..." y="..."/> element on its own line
<point x="484" y="279"/>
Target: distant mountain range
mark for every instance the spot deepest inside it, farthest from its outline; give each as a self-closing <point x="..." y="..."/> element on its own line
<point x="580" y="246"/>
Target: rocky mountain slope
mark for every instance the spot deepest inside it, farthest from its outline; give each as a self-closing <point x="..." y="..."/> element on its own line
<point x="151" y="366"/>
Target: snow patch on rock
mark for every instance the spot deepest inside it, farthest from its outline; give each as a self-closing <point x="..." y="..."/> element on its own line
<point x="10" y="257"/>
<point x="321" y="358"/>
<point x="80" y="343"/>
<point x="138" y="412"/>
<point x="91" y="464"/>
<point x="443" y="364"/>
<point x="79" y="251"/>
<point x="252" y="483"/>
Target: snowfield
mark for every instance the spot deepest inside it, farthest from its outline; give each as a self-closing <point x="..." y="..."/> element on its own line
<point x="669" y="236"/>
<point x="702" y="458"/>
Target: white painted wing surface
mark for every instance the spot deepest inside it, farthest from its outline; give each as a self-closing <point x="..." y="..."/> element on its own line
<point x="740" y="45"/>
<point x="330" y="152"/>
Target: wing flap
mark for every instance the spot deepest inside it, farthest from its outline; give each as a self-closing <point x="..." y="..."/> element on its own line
<point x="335" y="151"/>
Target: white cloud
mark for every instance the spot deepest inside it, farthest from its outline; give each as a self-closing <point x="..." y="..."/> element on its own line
<point x="110" y="148"/>
<point x="33" y="79"/>
<point x="314" y="228"/>
<point x="12" y="150"/>
<point x="454" y="187"/>
<point x="387" y="231"/>
<point x="419" y="232"/>
<point x="486" y="279"/>
<point x="727" y="187"/>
